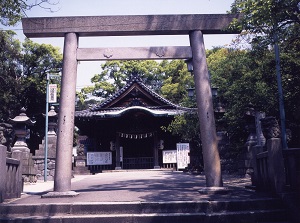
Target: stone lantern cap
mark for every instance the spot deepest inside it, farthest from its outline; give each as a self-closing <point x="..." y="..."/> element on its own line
<point x="22" y="118"/>
<point x="51" y="113"/>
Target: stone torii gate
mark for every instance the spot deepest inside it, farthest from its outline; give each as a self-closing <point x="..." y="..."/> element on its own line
<point x="71" y="28"/>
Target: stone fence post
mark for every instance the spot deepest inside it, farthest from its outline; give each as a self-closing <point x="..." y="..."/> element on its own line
<point x="18" y="155"/>
<point x="276" y="169"/>
<point x="3" y="172"/>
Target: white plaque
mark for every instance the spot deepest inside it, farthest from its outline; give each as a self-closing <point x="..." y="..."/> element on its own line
<point x="169" y="156"/>
<point x="99" y="158"/>
<point x="183" y="158"/>
<point x="52" y="93"/>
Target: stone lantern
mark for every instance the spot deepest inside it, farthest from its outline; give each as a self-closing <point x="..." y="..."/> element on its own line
<point x="20" y="124"/>
<point x="52" y="121"/>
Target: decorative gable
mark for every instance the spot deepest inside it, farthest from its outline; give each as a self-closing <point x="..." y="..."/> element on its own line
<point x="134" y="96"/>
<point x="135" y="93"/>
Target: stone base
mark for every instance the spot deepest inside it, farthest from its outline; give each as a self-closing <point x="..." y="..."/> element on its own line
<point x="118" y="168"/>
<point x="214" y="190"/>
<point x="20" y="148"/>
<point x="81" y="170"/>
<point x="54" y="194"/>
<point x="156" y="167"/>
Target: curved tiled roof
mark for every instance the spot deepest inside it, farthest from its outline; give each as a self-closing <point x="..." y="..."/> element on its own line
<point x="133" y="80"/>
<point x="103" y="110"/>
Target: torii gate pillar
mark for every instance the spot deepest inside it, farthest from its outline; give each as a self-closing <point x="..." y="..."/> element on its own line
<point x="63" y="170"/>
<point x="212" y="166"/>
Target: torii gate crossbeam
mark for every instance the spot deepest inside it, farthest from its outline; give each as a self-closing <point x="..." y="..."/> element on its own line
<point x="71" y="28"/>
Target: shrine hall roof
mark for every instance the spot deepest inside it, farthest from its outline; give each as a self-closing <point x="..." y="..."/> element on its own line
<point x="134" y="96"/>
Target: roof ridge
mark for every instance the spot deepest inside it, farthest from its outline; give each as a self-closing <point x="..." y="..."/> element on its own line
<point x="135" y="79"/>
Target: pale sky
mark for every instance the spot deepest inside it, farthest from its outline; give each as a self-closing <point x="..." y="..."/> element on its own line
<point x="86" y="70"/>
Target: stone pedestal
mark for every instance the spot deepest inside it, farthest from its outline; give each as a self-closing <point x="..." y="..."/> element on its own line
<point x="254" y="177"/>
<point x="39" y="159"/>
<point x="276" y="165"/>
<point x="51" y="147"/>
<point x="80" y="165"/>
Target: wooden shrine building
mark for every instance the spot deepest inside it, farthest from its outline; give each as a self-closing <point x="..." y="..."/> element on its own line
<point x="129" y="125"/>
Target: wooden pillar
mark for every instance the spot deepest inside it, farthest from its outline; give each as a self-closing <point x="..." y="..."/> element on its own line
<point x="155" y="152"/>
<point x="212" y="166"/>
<point x="118" y="153"/>
<point x="64" y="146"/>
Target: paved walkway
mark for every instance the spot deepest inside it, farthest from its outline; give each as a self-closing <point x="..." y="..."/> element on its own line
<point x="135" y="186"/>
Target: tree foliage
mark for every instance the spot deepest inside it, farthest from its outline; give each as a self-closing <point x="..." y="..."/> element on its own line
<point x="38" y="61"/>
<point x="268" y="17"/>
<point x="269" y="22"/>
<point x="10" y="74"/>
<point x="115" y="74"/>
<point x="244" y="78"/>
<point x="177" y="81"/>
<point x="23" y="74"/>
<point x="11" y="11"/>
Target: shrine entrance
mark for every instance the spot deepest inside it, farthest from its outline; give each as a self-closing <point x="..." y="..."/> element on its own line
<point x="128" y="125"/>
<point x="137" y="153"/>
<point x="72" y="28"/>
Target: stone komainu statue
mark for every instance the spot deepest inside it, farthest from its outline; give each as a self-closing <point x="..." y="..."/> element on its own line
<point x="6" y="135"/>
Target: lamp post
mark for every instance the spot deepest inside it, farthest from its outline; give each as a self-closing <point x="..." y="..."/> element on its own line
<point x="280" y="92"/>
<point x="46" y="123"/>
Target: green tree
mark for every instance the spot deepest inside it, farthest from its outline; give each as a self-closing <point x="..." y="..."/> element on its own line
<point x="38" y="61"/>
<point x="177" y="81"/>
<point x="242" y="79"/>
<point x="276" y="22"/>
<point x="23" y="77"/>
<point x="267" y="17"/>
<point x="115" y="75"/>
<point x="10" y="75"/>
<point x="11" y="11"/>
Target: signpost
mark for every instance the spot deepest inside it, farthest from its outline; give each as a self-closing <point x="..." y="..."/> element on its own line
<point x="50" y="98"/>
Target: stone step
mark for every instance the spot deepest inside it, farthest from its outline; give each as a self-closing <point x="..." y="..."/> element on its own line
<point x="253" y="210"/>
<point x="226" y="217"/>
<point x="141" y="207"/>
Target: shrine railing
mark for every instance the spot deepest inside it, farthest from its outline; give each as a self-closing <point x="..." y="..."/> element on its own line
<point x="11" y="184"/>
<point x="276" y="169"/>
<point x="138" y="163"/>
<point x="292" y="167"/>
<point x="172" y="166"/>
<point x="99" y="168"/>
<point x="262" y="170"/>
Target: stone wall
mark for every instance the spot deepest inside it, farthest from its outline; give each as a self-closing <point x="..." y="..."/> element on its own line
<point x="39" y="159"/>
<point x="39" y="165"/>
